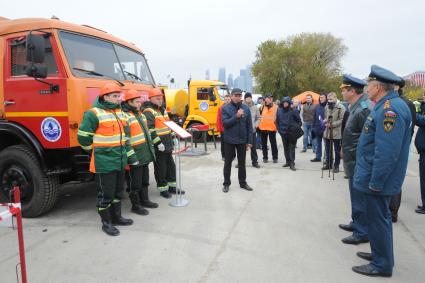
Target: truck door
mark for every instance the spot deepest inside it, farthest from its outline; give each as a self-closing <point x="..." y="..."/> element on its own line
<point x="29" y="102"/>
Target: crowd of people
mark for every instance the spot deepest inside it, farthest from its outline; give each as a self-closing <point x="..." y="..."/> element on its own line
<point x="370" y="130"/>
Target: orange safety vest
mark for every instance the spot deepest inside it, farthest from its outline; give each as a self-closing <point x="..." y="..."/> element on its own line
<point x="110" y="132"/>
<point x="268" y="118"/>
<point x="137" y="136"/>
<point x="160" y="128"/>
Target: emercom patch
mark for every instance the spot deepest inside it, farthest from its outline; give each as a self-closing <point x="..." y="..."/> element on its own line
<point x="388" y="124"/>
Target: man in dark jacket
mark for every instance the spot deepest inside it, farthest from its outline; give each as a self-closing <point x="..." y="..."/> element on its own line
<point x="319" y="126"/>
<point x="287" y="120"/>
<point x="237" y="137"/>
<point x="420" y="146"/>
<point x="360" y="107"/>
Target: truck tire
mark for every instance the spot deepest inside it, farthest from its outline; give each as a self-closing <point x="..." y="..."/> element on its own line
<point x="39" y="192"/>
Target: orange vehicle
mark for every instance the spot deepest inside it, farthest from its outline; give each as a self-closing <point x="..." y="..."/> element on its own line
<point x="50" y="73"/>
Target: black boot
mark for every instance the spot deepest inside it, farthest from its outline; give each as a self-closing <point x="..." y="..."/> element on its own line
<point x="117" y="219"/>
<point x="165" y="194"/>
<point x="174" y="191"/>
<point x="292" y="166"/>
<point x="135" y="204"/>
<point x="144" y="199"/>
<point x="107" y="227"/>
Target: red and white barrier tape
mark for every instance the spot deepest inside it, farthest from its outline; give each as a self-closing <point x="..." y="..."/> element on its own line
<point x="14" y="208"/>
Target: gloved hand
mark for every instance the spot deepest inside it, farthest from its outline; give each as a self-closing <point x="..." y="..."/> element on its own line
<point x="161" y="147"/>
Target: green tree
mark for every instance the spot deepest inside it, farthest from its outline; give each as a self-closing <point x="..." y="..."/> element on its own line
<point x="308" y="61"/>
<point x="413" y="92"/>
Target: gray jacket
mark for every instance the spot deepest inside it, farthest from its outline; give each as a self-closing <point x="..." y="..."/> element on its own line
<point x="337" y="114"/>
<point x="255" y="115"/>
<point x="359" y="112"/>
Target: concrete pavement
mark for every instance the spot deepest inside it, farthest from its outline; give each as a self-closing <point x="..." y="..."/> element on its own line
<point x="284" y="231"/>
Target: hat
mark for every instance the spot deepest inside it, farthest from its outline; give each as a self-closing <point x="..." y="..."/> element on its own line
<point x="383" y="75"/>
<point x="268" y="95"/>
<point x="350" y="81"/>
<point x="236" y="91"/>
<point x="109" y="88"/>
<point x="131" y="94"/>
<point x="155" y="92"/>
<point x="286" y="99"/>
<point x="248" y="94"/>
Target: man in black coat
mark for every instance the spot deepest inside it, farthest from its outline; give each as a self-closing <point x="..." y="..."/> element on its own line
<point x="237" y="135"/>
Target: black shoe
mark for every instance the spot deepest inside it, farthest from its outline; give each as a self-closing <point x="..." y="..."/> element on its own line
<point x="256" y="165"/>
<point x="346" y="177"/>
<point x="165" y="194"/>
<point x="394" y="218"/>
<point x="107" y="227"/>
<point x="144" y="199"/>
<point x="117" y="219"/>
<point x="369" y="270"/>
<point x="246" y="187"/>
<point x="275" y="160"/>
<point x="353" y="240"/>
<point x="237" y="166"/>
<point x="346" y="227"/>
<point x="135" y="204"/>
<point x="336" y="170"/>
<point x="315" y="160"/>
<point x="421" y="207"/>
<point x="225" y="188"/>
<point x="292" y="167"/>
<point x="420" y="210"/>
<point x="265" y="161"/>
<point x="174" y="191"/>
<point x="366" y="256"/>
<point x="286" y="165"/>
<point x="303" y="150"/>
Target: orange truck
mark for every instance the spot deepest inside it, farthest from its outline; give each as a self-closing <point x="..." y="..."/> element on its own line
<point x="50" y="73"/>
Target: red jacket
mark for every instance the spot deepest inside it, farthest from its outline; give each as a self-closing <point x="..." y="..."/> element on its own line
<point x="219" y="123"/>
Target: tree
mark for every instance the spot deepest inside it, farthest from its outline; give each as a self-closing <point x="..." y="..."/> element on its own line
<point x="412" y="92"/>
<point x="308" y="61"/>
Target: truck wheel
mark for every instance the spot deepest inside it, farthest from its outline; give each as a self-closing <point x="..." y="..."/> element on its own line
<point x="19" y="166"/>
<point x="197" y="136"/>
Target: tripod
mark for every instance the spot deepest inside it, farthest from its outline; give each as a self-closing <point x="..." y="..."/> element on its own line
<point x="328" y="160"/>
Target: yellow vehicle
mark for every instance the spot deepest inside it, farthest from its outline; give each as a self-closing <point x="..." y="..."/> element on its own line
<point x="197" y="106"/>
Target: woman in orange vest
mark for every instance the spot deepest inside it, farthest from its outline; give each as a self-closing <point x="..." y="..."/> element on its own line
<point x="104" y="133"/>
<point x="268" y="128"/>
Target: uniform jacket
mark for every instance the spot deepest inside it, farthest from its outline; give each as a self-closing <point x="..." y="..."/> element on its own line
<point x="383" y="148"/>
<point x="420" y="135"/>
<point x="337" y="114"/>
<point x="359" y="112"/>
<point x="159" y="133"/>
<point x="236" y="130"/>
<point x="140" y="137"/>
<point x="105" y="133"/>
<point x="255" y="115"/>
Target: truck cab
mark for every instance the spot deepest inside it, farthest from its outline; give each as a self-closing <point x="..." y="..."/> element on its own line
<point x="50" y="74"/>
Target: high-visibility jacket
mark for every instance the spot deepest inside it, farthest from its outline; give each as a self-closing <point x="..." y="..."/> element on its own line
<point x="268" y="118"/>
<point x="140" y="138"/>
<point x="156" y="116"/>
<point x="105" y="133"/>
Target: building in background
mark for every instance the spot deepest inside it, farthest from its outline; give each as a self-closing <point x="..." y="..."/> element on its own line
<point x="416" y="78"/>
<point x="207" y="74"/>
<point x="230" y="82"/>
<point x="222" y="75"/>
<point x="244" y="81"/>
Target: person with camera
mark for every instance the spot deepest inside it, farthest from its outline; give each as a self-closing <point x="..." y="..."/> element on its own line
<point x="334" y="114"/>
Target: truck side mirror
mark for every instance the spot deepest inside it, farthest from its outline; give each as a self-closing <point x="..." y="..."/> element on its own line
<point x="36" y="49"/>
<point x="211" y="94"/>
<point x="36" y="71"/>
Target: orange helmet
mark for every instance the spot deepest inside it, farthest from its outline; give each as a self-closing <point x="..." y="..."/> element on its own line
<point x="109" y="88"/>
<point x="155" y="92"/>
<point x="130" y="94"/>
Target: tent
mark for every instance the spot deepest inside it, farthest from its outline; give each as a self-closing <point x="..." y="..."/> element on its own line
<point x="302" y="98"/>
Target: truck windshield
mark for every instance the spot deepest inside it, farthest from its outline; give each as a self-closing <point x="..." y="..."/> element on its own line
<point x="104" y="57"/>
<point x="222" y="91"/>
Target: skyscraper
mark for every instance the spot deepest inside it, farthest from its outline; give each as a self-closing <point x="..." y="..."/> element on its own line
<point x="207" y="74"/>
<point x="230" y="82"/>
<point x="222" y="75"/>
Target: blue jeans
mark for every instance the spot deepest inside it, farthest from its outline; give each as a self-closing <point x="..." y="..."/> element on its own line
<point x="307" y="127"/>
<point x="318" y="143"/>
<point x="358" y="211"/>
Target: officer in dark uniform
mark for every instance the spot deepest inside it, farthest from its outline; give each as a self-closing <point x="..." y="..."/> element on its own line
<point x="381" y="165"/>
<point x="352" y="90"/>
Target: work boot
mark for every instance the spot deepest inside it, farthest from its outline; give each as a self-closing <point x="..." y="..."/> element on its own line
<point x="255" y="165"/>
<point x="165" y="194"/>
<point x="225" y="188"/>
<point x="144" y="199"/>
<point x="173" y="190"/>
<point x="107" y="227"/>
<point x="117" y="219"/>
<point x="135" y="204"/>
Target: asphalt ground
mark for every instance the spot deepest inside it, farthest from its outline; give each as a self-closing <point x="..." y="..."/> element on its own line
<point x="286" y="230"/>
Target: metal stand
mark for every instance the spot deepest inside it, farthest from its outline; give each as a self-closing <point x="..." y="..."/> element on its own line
<point x="330" y="156"/>
<point x="193" y="151"/>
<point x="179" y="201"/>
